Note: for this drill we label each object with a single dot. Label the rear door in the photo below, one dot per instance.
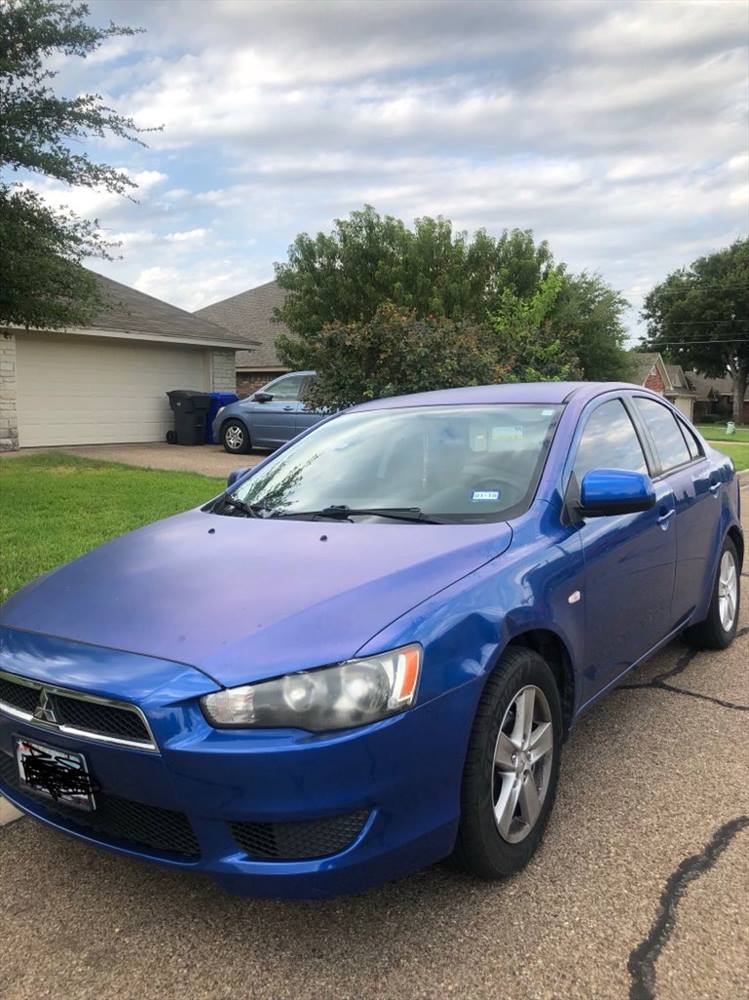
(629, 558)
(696, 487)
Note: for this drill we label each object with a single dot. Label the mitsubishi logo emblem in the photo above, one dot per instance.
(44, 712)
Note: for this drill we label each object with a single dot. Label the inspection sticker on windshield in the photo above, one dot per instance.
(490, 495)
(503, 432)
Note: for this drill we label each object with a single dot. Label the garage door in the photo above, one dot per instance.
(80, 390)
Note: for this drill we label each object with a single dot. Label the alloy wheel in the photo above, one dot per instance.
(728, 588)
(234, 437)
(522, 764)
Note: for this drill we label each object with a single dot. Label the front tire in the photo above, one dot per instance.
(235, 437)
(718, 630)
(512, 767)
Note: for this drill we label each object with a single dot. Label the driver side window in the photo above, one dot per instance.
(285, 388)
(609, 441)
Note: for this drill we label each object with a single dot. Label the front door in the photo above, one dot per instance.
(629, 558)
(274, 422)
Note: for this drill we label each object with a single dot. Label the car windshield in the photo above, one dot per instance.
(450, 463)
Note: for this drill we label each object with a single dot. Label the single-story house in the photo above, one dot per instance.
(107, 382)
(250, 315)
(651, 371)
(715, 397)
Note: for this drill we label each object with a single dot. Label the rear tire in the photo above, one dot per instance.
(235, 437)
(495, 837)
(718, 630)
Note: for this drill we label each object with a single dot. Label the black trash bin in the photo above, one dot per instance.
(190, 414)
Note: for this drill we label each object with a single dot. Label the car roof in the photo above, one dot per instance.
(511, 392)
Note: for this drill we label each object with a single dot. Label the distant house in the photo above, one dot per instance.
(715, 397)
(107, 382)
(249, 315)
(670, 381)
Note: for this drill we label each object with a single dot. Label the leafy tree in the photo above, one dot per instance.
(526, 336)
(431, 271)
(369, 259)
(591, 311)
(396, 352)
(699, 317)
(43, 281)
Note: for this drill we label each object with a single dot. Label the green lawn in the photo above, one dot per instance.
(717, 432)
(54, 507)
(738, 452)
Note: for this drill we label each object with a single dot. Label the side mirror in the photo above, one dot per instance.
(262, 397)
(234, 476)
(613, 491)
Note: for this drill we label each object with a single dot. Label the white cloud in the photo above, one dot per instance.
(94, 202)
(616, 130)
(190, 236)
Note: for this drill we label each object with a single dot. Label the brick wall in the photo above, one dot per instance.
(223, 378)
(8, 412)
(249, 382)
(654, 382)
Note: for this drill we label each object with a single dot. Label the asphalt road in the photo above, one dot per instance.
(641, 888)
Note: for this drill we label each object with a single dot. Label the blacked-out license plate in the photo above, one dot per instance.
(55, 774)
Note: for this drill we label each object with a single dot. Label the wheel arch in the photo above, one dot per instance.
(737, 538)
(553, 649)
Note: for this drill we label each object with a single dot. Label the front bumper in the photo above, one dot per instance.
(393, 787)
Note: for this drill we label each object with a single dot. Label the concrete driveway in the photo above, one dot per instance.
(640, 890)
(207, 459)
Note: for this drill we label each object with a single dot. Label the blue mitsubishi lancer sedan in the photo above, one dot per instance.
(366, 653)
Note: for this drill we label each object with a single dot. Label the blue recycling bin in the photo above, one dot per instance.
(218, 399)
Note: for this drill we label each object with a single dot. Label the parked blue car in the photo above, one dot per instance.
(365, 655)
(268, 418)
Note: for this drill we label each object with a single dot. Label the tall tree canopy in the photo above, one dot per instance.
(43, 282)
(699, 317)
(433, 273)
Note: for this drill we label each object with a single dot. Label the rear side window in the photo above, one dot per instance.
(666, 433)
(609, 441)
(695, 450)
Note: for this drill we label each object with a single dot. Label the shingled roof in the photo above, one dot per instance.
(704, 386)
(250, 315)
(130, 311)
(643, 365)
(680, 381)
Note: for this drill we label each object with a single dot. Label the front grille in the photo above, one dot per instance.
(93, 717)
(116, 819)
(20, 696)
(294, 841)
(65, 708)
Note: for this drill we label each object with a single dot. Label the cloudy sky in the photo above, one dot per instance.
(616, 131)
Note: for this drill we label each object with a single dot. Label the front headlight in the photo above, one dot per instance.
(349, 694)
(219, 411)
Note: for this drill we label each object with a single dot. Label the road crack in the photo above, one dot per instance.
(643, 958)
(659, 681)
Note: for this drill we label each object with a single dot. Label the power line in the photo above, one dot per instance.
(685, 343)
(705, 322)
(690, 286)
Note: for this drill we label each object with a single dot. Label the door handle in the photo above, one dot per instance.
(665, 519)
(714, 487)
(288, 409)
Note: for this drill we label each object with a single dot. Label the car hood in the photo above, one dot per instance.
(243, 599)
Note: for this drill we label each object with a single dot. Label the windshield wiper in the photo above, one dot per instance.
(342, 512)
(249, 510)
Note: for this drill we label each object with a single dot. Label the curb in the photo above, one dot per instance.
(8, 813)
